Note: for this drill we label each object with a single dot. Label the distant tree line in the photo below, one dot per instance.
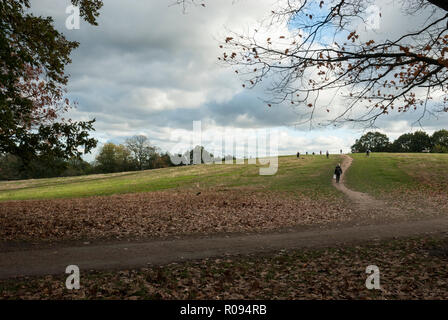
(418, 141)
(135, 154)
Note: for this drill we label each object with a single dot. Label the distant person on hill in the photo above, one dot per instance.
(328, 155)
(320, 152)
(341, 151)
(313, 153)
(307, 153)
(298, 154)
(368, 153)
(338, 172)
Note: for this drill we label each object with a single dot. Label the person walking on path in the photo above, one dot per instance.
(338, 172)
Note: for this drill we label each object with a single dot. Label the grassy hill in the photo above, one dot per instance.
(378, 174)
(235, 199)
(309, 175)
(383, 173)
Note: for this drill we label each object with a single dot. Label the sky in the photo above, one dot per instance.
(149, 68)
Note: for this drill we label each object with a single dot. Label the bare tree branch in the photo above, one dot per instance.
(377, 77)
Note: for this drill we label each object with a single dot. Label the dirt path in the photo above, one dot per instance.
(363, 201)
(134, 255)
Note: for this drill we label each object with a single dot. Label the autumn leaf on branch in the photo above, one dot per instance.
(373, 76)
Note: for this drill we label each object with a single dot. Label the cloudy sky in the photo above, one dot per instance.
(151, 69)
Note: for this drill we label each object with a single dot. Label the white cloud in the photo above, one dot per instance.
(149, 68)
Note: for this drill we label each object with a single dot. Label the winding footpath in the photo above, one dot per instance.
(363, 201)
(124, 255)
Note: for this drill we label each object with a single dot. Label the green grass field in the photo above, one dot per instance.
(383, 172)
(310, 175)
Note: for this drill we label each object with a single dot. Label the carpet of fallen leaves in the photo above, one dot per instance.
(413, 268)
(429, 193)
(423, 201)
(162, 214)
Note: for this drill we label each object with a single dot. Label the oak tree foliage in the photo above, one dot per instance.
(439, 141)
(373, 141)
(33, 56)
(418, 141)
(141, 150)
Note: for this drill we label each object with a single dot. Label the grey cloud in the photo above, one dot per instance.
(148, 47)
